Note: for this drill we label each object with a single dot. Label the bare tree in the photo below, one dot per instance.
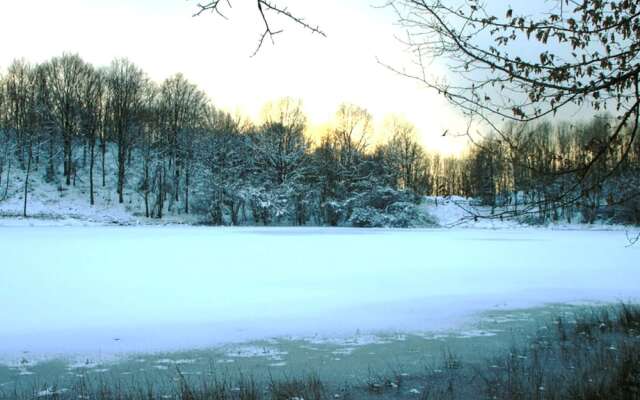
(280, 145)
(150, 144)
(93, 91)
(18, 103)
(20, 98)
(125, 84)
(64, 77)
(182, 108)
(404, 155)
(223, 160)
(352, 132)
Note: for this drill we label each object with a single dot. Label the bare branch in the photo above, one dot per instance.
(263, 7)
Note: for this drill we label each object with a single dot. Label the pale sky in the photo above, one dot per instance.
(163, 38)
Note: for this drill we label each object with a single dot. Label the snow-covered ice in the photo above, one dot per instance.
(108, 290)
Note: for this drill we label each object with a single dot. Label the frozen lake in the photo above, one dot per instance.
(107, 290)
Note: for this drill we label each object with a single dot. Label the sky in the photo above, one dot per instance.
(163, 38)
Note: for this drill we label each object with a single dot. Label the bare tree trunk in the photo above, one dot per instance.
(122, 159)
(121, 180)
(103, 150)
(51, 173)
(19, 150)
(176, 180)
(26, 184)
(6, 187)
(37, 153)
(186, 191)
(85, 146)
(161, 192)
(92, 157)
(67, 159)
(4, 158)
(146, 185)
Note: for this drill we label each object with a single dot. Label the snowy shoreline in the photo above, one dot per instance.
(107, 221)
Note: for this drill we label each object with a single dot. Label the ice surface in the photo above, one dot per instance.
(108, 290)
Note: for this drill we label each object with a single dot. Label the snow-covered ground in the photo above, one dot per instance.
(459, 212)
(56, 204)
(106, 290)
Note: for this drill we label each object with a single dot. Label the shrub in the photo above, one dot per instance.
(368, 217)
(407, 215)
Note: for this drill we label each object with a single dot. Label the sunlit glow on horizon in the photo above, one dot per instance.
(163, 38)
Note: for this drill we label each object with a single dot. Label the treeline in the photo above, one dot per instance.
(559, 172)
(165, 144)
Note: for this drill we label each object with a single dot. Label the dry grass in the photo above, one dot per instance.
(591, 356)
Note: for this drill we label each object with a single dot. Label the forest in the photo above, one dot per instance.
(67, 122)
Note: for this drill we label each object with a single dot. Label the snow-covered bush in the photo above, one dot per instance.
(407, 215)
(397, 215)
(368, 217)
(383, 206)
(270, 205)
(381, 197)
